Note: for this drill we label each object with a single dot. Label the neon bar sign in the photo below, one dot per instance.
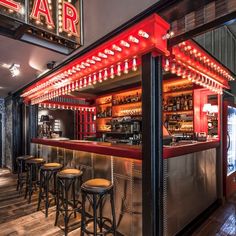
(61, 18)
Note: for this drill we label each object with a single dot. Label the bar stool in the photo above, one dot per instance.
(21, 177)
(32, 181)
(66, 206)
(95, 190)
(48, 173)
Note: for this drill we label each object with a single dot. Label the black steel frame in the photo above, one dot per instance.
(152, 164)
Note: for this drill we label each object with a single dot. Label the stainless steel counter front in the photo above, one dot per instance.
(125, 173)
(189, 184)
(191, 187)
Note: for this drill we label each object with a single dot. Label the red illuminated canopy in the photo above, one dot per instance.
(118, 55)
(189, 60)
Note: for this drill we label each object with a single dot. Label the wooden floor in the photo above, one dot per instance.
(222, 222)
(18, 218)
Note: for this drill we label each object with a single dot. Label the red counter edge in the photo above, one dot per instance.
(126, 152)
(170, 152)
(93, 147)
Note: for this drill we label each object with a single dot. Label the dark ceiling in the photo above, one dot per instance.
(32, 60)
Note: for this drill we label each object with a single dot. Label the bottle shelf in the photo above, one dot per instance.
(104, 104)
(180, 121)
(119, 116)
(103, 131)
(117, 132)
(109, 117)
(126, 104)
(179, 92)
(130, 106)
(178, 112)
(181, 131)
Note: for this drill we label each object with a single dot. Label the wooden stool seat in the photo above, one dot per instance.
(69, 173)
(97, 185)
(24, 158)
(52, 166)
(35, 161)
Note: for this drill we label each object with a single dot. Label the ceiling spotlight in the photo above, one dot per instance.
(15, 70)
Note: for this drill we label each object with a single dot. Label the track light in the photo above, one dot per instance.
(14, 69)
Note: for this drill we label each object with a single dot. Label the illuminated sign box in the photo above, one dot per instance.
(55, 24)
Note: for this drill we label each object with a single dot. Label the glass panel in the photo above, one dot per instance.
(231, 140)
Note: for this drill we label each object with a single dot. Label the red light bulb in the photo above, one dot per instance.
(94, 78)
(126, 67)
(105, 74)
(118, 70)
(100, 77)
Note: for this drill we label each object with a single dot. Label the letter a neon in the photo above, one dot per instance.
(41, 8)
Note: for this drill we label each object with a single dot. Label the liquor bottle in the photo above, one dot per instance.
(169, 104)
(114, 101)
(164, 105)
(185, 103)
(120, 101)
(178, 104)
(128, 99)
(166, 123)
(137, 97)
(182, 102)
(190, 102)
(133, 98)
(174, 104)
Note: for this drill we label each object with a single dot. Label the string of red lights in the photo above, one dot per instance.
(189, 61)
(119, 55)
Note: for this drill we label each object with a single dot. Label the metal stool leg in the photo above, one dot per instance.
(40, 190)
(27, 183)
(30, 192)
(46, 187)
(18, 176)
(55, 186)
(100, 213)
(83, 217)
(58, 202)
(66, 206)
(73, 195)
(21, 182)
(113, 212)
(95, 214)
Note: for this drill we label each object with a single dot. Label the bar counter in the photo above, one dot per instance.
(127, 151)
(190, 176)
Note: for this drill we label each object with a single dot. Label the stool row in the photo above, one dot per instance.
(58, 186)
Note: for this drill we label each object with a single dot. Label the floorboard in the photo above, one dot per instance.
(18, 218)
(222, 222)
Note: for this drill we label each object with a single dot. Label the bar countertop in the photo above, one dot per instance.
(128, 151)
